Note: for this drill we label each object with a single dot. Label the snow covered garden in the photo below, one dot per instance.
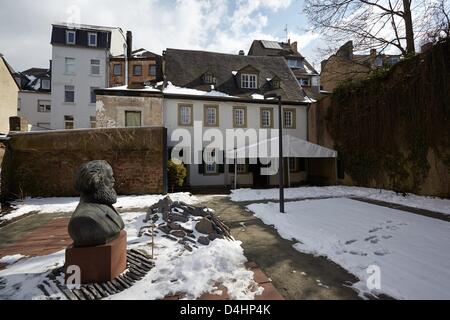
(410, 250)
(177, 270)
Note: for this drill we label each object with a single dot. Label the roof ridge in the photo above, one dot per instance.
(228, 54)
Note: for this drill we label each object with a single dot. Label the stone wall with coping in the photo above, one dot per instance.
(44, 164)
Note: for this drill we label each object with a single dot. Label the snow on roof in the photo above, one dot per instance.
(234, 73)
(172, 89)
(257, 96)
(146, 88)
(309, 100)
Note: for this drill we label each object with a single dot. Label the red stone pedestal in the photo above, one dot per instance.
(102, 263)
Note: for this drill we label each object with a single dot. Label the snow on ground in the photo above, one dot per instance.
(11, 259)
(68, 205)
(411, 250)
(410, 200)
(176, 269)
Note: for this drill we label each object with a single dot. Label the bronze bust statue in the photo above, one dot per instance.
(95, 221)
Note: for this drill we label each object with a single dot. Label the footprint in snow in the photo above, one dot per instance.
(358, 253)
(351, 241)
(381, 252)
(375, 230)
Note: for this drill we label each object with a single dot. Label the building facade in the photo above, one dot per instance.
(346, 66)
(34, 103)
(143, 67)
(8, 95)
(213, 93)
(80, 64)
(307, 77)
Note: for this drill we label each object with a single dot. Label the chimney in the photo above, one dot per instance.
(373, 52)
(241, 53)
(129, 43)
(294, 47)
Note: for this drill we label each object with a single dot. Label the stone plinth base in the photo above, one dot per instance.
(99, 264)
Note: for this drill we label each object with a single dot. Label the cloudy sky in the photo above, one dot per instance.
(214, 25)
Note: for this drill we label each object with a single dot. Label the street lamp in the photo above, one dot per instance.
(125, 54)
(280, 139)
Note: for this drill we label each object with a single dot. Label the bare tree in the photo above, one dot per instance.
(437, 26)
(371, 24)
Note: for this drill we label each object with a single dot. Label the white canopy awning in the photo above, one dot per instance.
(292, 148)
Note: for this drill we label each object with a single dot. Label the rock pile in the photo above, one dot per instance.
(185, 224)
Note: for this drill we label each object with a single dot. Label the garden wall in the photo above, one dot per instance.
(392, 130)
(44, 164)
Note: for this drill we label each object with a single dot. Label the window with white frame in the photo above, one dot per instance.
(211, 116)
(92, 39)
(45, 84)
(249, 81)
(70, 66)
(69, 94)
(69, 122)
(266, 118)
(295, 63)
(185, 114)
(289, 119)
(44, 106)
(210, 162)
(239, 115)
(95, 67)
(71, 37)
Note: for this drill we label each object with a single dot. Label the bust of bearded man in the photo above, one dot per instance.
(95, 221)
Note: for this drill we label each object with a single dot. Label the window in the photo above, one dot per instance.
(249, 81)
(95, 67)
(211, 116)
(266, 118)
(93, 99)
(19, 104)
(70, 66)
(152, 71)
(239, 117)
(45, 84)
(378, 62)
(93, 122)
(289, 118)
(394, 60)
(68, 122)
(304, 81)
(69, 94)
(92, 39)
(71, 37)
(241, 168)
(137, 70)
(294, 63)
(44, 106)
(209, 78)
(185, 115)
(210, 162)
(117, 69)
(275, 83)
(133, 118)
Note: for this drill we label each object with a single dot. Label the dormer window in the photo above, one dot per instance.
(71, 37)
(92, 39)
(295, 63)
(209, 78)
(275, 83)
(249, 81)
(45, 84)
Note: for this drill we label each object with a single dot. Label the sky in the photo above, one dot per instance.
(214, 25)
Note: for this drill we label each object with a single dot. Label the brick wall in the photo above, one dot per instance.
(44, 164)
